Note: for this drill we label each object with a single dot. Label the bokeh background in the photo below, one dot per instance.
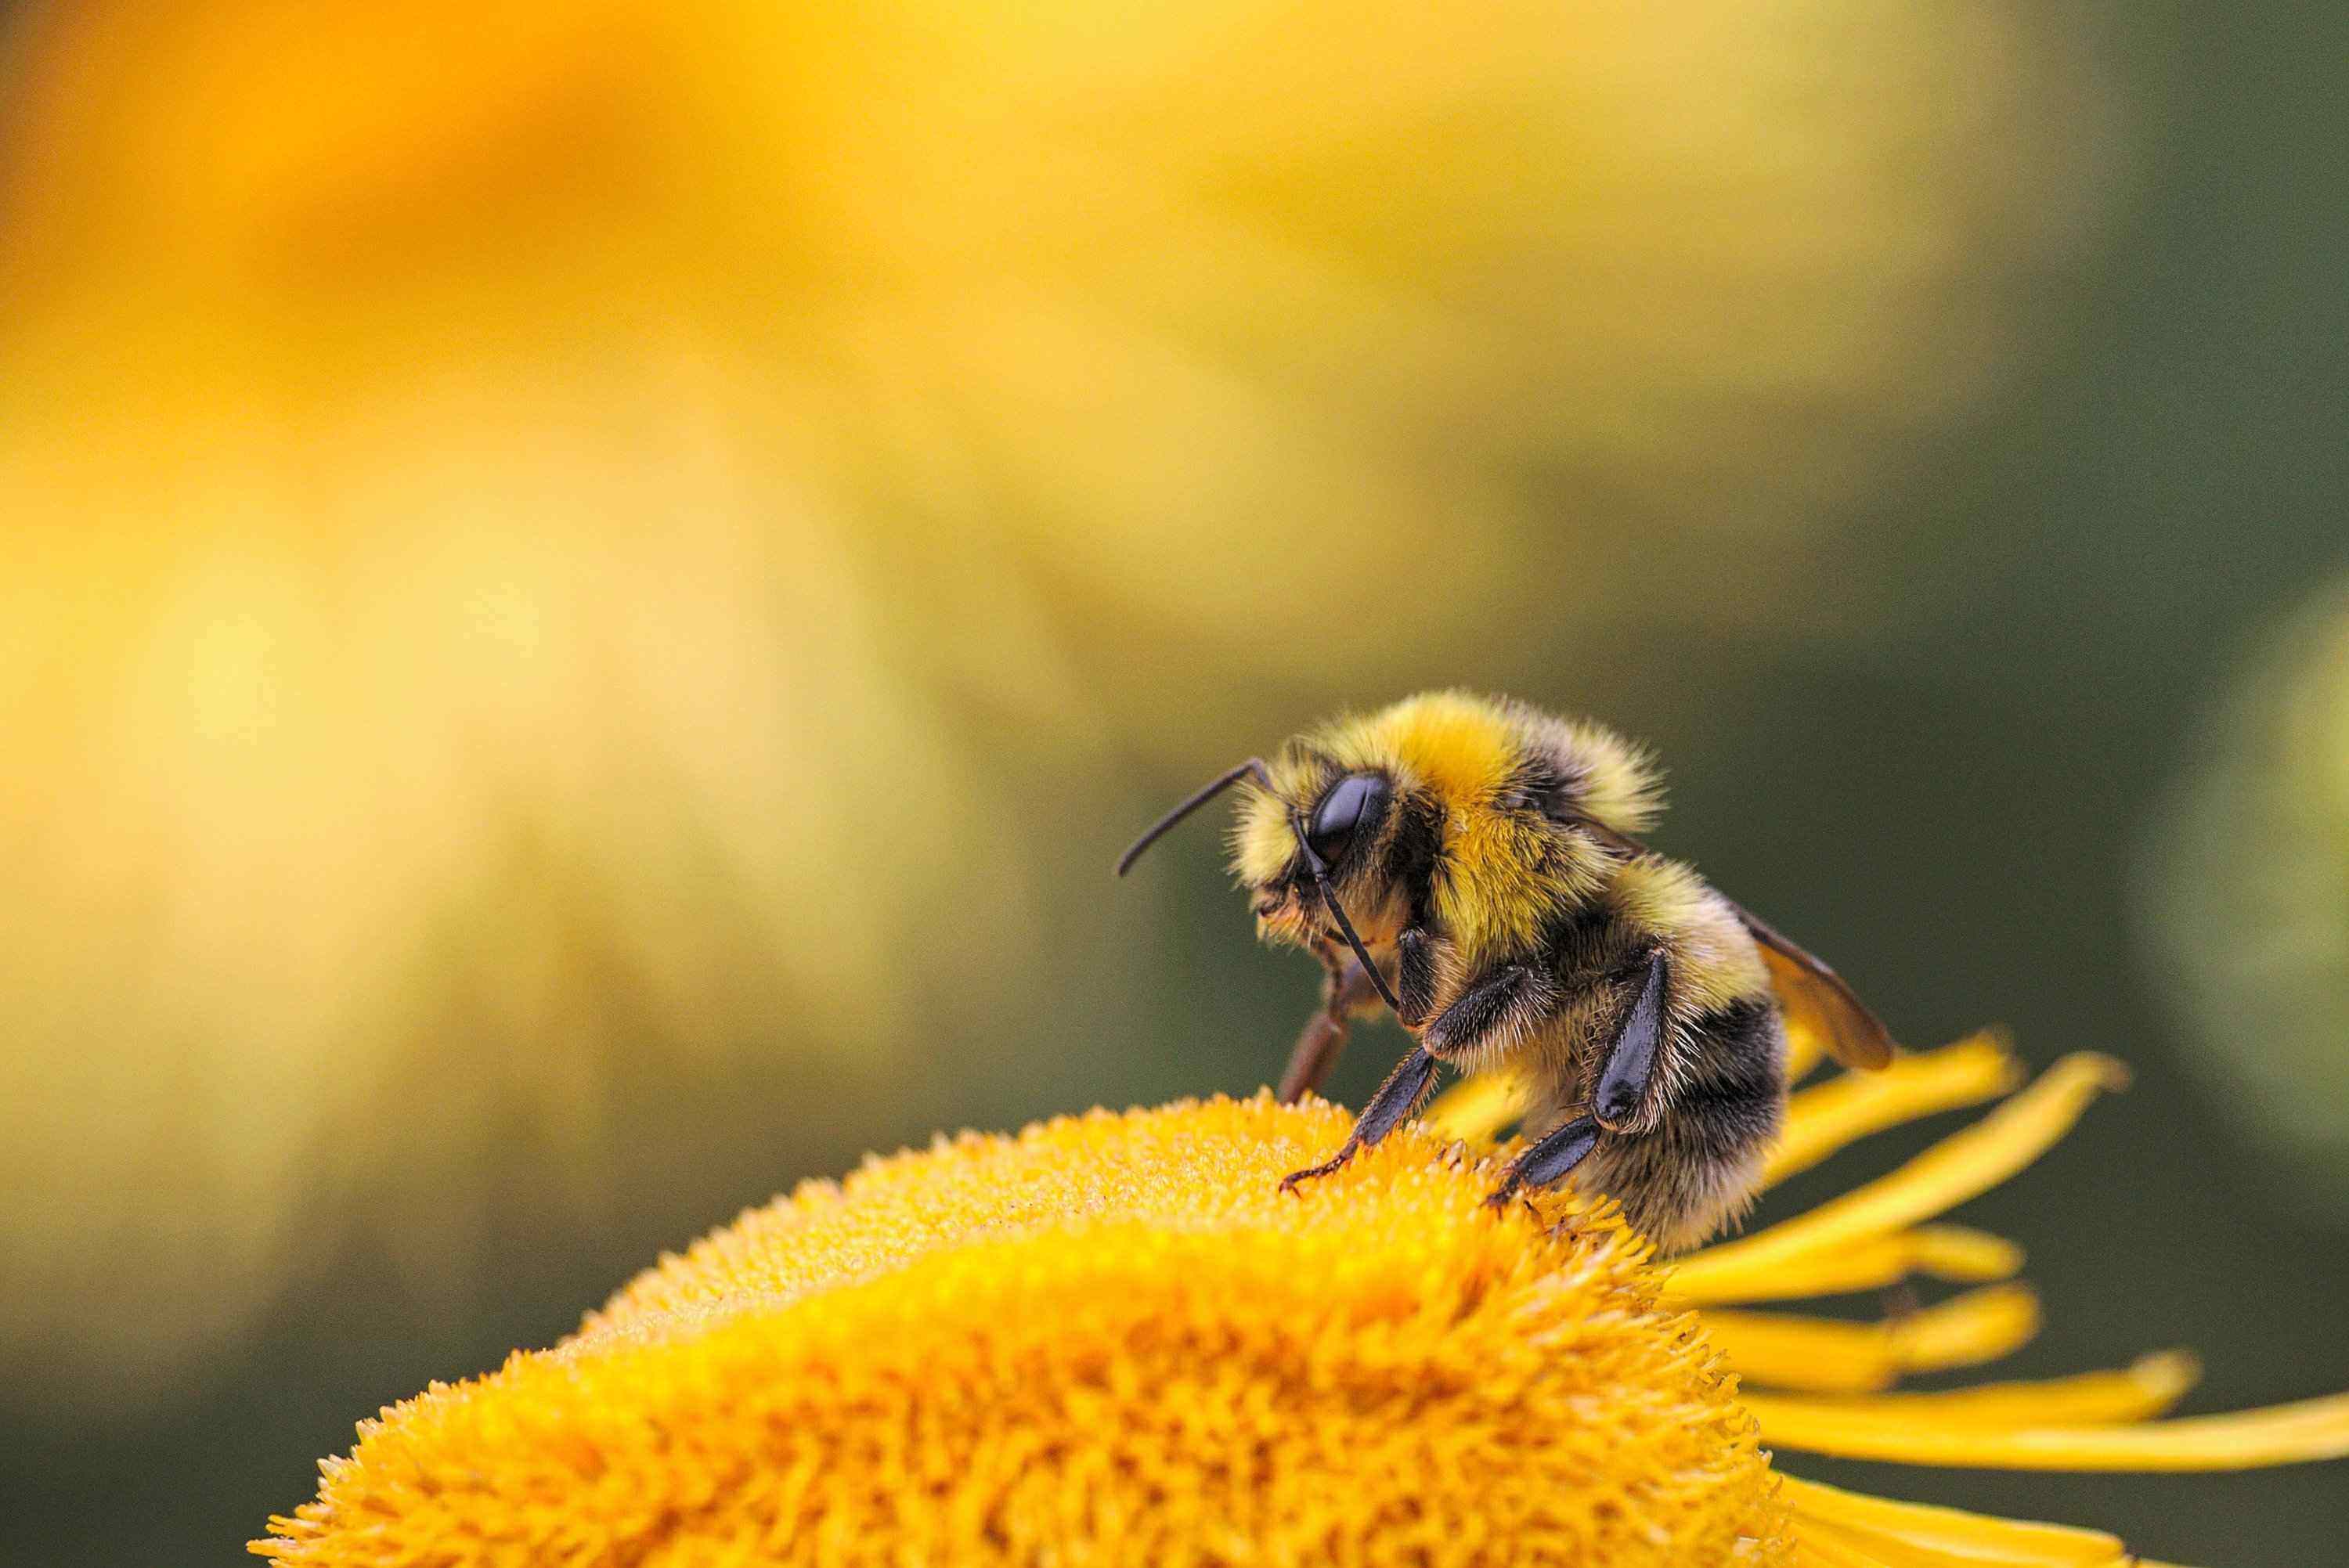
(588, 591)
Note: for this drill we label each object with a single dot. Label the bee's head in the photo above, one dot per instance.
(1317, 827)
(1315, 848)
(1475, 820)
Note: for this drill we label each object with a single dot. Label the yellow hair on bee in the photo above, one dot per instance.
(1462, 748)
(1496, 894)
(1261, 840)
(1717, 964)
(1615, 779)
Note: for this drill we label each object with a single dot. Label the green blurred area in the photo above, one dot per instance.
(1948, 792)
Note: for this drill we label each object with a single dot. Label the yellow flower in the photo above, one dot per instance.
(1112, 1339)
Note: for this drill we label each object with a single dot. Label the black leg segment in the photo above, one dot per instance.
(1414, 977)
(1548, 1162)
(1631, 1061)
(1395, 1100)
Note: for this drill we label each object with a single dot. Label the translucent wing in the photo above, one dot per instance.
(1816, 1002)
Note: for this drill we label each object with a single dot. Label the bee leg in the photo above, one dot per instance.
(1622, 1090)
(1396, 1099)
(1553, 1155)
(1315, 1053)
(1346, 993)
(1502, 1003)
(1414, 975)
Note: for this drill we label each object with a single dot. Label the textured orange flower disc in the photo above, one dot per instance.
(1108, 1339)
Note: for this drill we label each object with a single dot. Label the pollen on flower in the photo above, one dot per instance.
(1108, 1339)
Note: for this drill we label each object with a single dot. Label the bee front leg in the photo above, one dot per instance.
(1396, 1099)
(1416, 974)
(1346, 993)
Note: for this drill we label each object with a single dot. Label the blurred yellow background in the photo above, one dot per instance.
(586, 590)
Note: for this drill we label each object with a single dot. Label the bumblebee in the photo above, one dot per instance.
(1475, 866)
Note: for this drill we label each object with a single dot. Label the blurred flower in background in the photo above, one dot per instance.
(545, 539)
(2247, 897)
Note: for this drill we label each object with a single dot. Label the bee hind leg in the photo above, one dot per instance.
(1547, 1162)
(1622, 1089)
(1630, 1066)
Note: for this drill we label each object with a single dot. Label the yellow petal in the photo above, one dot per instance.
(1820, 1549)
(2147, 1389)
(1788, 1351)
(1904, 1533)
(1943, 1252)
(2246, 1440)
(1844, 1109)
(1475, 1109)
(1954, 1170)
(1869, 1548)
(1805, 1051)
(1819, 1120)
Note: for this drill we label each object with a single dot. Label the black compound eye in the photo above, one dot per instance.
(1356, 798)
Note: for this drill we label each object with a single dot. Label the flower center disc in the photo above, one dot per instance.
(1108, 1339)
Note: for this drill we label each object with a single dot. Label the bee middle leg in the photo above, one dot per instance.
(1502, 1003)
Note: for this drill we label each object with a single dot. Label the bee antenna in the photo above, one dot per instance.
(1345, 926)
(1254, 767)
